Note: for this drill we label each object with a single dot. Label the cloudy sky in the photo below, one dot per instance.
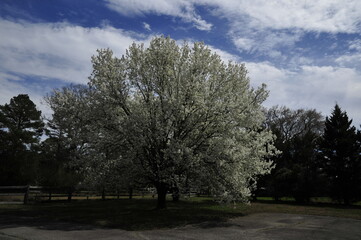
(308, 52)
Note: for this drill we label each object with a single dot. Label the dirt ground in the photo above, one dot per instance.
(255, 227)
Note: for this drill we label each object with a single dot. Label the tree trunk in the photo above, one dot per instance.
(175, 194)
(26, 195)
(162, 193)
(254, 197)
(130, 192)
(70, 194)
(103, 194)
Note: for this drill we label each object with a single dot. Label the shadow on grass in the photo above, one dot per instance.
(136, 214)
(140, 214)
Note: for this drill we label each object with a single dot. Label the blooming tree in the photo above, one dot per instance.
(176, 116)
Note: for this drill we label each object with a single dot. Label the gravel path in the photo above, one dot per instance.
(255, 227)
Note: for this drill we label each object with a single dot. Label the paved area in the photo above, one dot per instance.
(255, 227)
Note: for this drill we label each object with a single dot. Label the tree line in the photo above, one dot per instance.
(319, 156)
(174, 118)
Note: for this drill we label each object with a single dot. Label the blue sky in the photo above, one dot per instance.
(307, 52)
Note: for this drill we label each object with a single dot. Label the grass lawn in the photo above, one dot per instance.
(139, 214)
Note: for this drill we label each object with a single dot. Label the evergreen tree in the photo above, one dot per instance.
(340, 157)
(20, 130)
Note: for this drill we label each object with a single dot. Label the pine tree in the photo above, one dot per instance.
(340, 157)
(20, 130)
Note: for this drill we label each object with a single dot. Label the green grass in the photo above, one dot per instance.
(139, 214)
(321, 209)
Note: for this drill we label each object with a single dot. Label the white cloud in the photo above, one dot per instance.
(339, 83)
(177, 8)
(267, 27)
(200, 23)
(225, 56)
(276, 80)
(12, 77)
(60, 50)
(310, 87)
(273, 27)
(137, 7)
(259, 26)
(320, 16)
(146, 26)
(352, 58)
(47, 51)
(246, 44)
(264, 41)
(355, 45)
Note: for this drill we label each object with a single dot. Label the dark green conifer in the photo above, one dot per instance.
(340, 157)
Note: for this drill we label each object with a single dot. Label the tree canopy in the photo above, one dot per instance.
(295, 173)
(174, 116)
